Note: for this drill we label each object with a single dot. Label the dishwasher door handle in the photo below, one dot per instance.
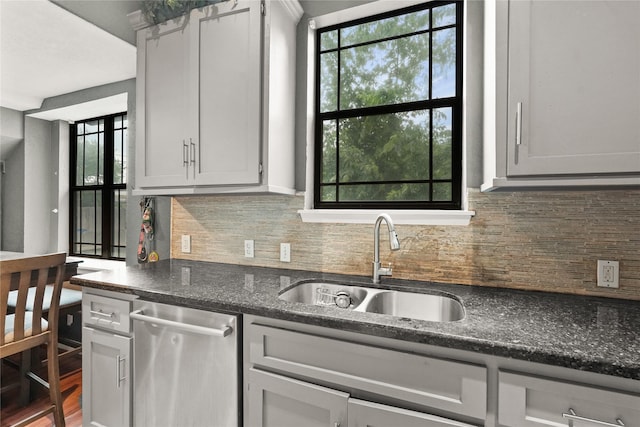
(196, 329)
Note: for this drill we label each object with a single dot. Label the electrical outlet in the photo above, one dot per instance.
(608, 274)
(248, 249)
(186, 244)
(285, 252)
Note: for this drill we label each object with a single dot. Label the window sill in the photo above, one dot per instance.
(411, 217)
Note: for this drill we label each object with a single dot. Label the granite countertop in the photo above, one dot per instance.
(593, 334)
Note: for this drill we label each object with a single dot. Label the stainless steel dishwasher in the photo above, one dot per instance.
(185, 367)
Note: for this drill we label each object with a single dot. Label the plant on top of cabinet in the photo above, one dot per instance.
(215, 98)
(157, 11)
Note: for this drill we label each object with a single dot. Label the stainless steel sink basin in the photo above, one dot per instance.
(436, 307)
(321, 293)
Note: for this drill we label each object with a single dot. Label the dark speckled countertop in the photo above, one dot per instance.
(587, 333)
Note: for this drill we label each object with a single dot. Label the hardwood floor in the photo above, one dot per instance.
(71, 385)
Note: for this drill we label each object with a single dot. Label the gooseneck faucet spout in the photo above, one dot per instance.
(393, 243)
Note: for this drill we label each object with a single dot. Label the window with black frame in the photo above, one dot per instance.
(98, 187)
(388, 126)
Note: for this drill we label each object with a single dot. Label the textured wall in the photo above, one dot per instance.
(530, 240)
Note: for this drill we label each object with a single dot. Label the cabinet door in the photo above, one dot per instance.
(163, 139)
(369, 414)
(226, 52)
(106, 379)
(277, 401)
(574, 87)
(526, 401)
(447, 385)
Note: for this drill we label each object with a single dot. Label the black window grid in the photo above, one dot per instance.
(430, 104)
(108, 243)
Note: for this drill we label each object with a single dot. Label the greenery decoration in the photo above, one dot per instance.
(157, 11)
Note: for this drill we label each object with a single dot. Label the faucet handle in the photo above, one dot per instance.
(385, 271)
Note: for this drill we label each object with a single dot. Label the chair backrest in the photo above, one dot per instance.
(21, 274)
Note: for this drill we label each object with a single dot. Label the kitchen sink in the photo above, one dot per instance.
(435, 307)
(322, 293)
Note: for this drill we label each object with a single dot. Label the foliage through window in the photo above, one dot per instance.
(98, 187)
(388, 126)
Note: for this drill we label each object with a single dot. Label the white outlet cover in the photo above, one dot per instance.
(285, 252)
(608, 274)
(249, 248)
(186, 244)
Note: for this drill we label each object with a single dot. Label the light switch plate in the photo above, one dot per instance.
(186, 244)
(248, 249)
(285, 252)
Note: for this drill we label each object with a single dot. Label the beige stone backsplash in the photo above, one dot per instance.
(527, 240)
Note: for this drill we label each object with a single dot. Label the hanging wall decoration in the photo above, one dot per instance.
(146, 243)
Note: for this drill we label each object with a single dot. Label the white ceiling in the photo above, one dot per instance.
(46, 51)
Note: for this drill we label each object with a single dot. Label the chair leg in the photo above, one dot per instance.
(54, 384)
(25, 382)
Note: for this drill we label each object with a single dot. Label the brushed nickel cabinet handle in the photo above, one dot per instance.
(119, 377)
(185, 153)
(100, 313)
(519, 123)
(572, 416)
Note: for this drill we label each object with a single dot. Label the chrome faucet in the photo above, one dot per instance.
(393, 242)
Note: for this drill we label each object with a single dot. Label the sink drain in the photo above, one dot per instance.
(343, 300)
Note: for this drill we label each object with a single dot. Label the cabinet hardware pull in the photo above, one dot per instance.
(101, 313)
(519, 123)
(193, 156)
(202, 330)
(572, 416)
(119, 378)
(185, 153)
(185, 158)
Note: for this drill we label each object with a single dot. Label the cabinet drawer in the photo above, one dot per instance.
(451, 386)
(526, 401)
(106, 313)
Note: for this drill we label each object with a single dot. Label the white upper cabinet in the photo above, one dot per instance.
(562, 87)
(162, 132)
(213, 111)
(227, 93)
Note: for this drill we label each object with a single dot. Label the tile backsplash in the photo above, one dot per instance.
(547, 241)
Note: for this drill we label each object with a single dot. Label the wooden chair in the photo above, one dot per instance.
(70, 304)
(24, 330)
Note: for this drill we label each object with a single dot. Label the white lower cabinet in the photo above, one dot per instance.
(362, 413)
(297, 374)
(296, 378)
(106, 382)
(280, 401)
(107, 347)
(529, 401)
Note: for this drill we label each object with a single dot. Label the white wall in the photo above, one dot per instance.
(12, 205)
(38, 185)
(59, 221)
(12, 180)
